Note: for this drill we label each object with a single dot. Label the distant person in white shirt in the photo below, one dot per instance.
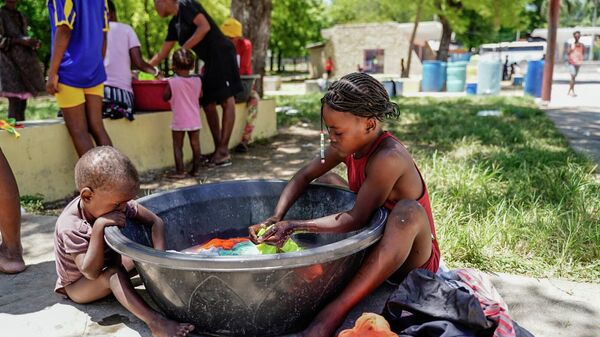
(575, 59)
(122, 50)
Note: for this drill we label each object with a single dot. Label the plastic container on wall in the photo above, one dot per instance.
(456, 76)
(433, 76)
(489, 74)
(534, 78)
(148, 95)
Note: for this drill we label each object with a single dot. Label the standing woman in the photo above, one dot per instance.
(20, 70)
(194, 29)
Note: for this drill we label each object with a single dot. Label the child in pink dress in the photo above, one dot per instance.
(183, 92)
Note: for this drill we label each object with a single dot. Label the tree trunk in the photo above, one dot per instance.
(146, 33)
(406, 71)
(442, 54)
(279, 62)
(255, 16)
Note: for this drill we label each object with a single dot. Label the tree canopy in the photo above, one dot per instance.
(295, 24)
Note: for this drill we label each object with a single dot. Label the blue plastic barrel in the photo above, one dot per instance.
(389, 87)
(489, 74)
(471, 88)
(517, 80)
(456, 76)
(534, 77)
(460, 57)
(398, 87)
(433, 76)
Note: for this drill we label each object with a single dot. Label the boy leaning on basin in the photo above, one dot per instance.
(88, 270)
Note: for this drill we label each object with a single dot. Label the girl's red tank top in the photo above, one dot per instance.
(357, 176)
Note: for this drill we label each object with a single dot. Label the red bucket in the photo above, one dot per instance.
(148, 95)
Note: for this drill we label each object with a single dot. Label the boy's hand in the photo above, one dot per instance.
(52, 84)
(114, 218)
(254, 229)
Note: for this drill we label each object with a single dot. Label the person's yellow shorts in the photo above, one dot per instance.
(68, 96)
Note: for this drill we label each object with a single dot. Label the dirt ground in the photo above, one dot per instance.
(278, 157)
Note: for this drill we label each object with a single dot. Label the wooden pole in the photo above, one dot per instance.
(553, 15)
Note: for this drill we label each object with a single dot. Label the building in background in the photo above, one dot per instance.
(377, 48)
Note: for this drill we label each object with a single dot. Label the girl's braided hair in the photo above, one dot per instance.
(361, 95)
(183, 59)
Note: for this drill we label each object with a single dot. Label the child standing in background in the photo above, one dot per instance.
(184, 92)
(76, 73)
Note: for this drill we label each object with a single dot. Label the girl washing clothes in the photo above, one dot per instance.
(382, 173)
(183, 92)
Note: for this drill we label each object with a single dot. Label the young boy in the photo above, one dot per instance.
(382, 173)
(87, 271)
(76, 73)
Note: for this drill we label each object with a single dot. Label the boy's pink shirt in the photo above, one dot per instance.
(71, 237)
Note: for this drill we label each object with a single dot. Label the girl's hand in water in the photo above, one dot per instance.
(254, 229)
(276, 234)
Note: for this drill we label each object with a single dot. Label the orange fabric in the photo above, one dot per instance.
(369, 325)
(226, 244)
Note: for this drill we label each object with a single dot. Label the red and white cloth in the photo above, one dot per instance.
(491, 302)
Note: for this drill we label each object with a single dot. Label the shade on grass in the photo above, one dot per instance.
(508, 194)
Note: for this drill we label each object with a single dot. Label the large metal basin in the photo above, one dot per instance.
(266, 295)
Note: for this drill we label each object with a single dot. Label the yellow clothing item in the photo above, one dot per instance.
(68, 96)
(231, 28)
(369, 325)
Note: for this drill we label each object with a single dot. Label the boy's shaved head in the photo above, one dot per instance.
(105, 167)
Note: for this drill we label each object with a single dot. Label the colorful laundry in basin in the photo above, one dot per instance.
(238, 247)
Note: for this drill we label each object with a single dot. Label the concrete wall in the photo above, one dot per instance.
(43, 158)
(316, 68)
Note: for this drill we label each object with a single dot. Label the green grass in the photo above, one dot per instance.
(33, 203)
(37, 108)
(508, 194)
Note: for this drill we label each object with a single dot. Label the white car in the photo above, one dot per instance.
(519, 52)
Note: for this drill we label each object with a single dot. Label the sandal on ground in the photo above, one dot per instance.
(177, 176)
(224, 163)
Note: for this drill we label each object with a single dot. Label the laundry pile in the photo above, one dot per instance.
(239, 247)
